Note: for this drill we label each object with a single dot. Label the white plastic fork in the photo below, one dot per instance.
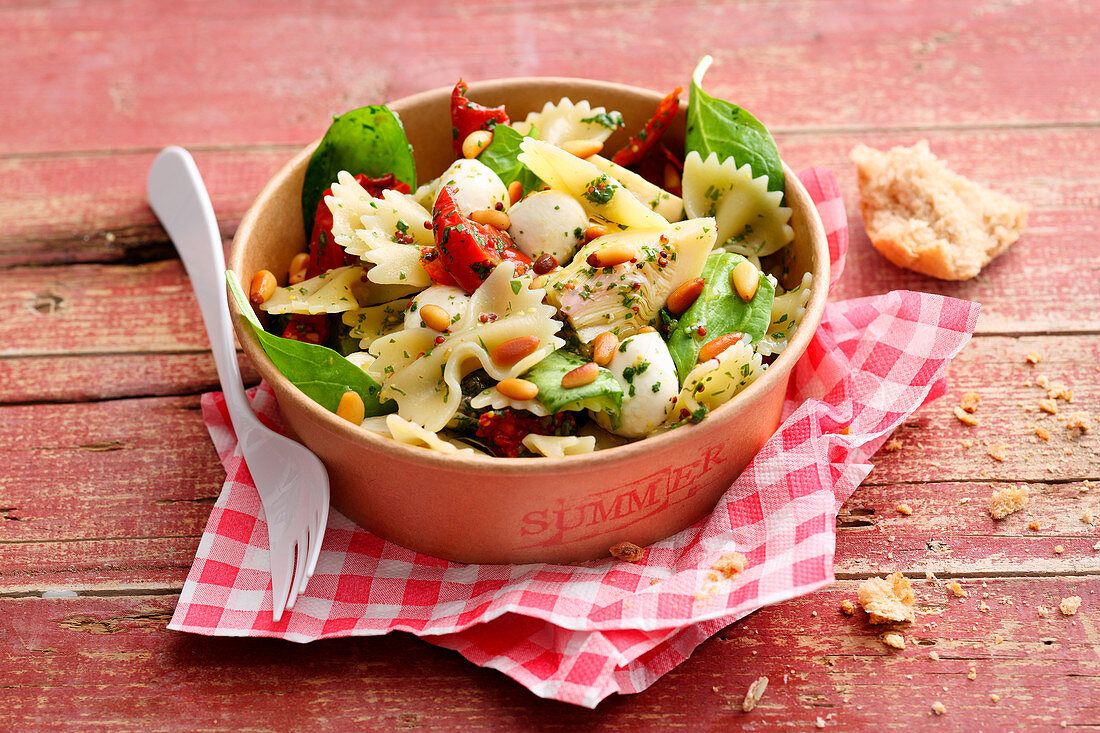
(291, 480)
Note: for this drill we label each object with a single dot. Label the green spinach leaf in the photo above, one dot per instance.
(321, 373)
(502, 156)
(602, 395)
(717, 126)
(368, 140)
(719, 310)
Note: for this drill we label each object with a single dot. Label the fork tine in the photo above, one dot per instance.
(280, 583)
(317, 537)
(300, 549)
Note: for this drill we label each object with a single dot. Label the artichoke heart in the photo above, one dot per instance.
(626, 297)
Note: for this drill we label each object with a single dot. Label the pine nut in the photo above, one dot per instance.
(614, 254)
(435, 318)
(603, 348)
(262, 288)
(582, 375)
(713, 348)
(582, 148)
(594, 232)
(683, 296)
(511, 351)
(647, 329)
(351, 407)
(518, 389)
(475, 142)
(537, 282)
(491, 217)
(515, 192)
(745, 279)
(673, 182)
(296, 273)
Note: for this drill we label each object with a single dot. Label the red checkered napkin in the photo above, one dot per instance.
(581, 633)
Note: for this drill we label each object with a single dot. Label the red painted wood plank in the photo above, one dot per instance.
(110, 660)
(92, 208)
(99, 377)
(144, 74)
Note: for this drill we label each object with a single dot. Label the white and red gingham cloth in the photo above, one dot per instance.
(580, 633)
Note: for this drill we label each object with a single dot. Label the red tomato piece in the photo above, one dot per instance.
(640, 144)
(467, 116)
(504, 430)
(311, 329)
(468, 250)
(324, 253)
(429, 258)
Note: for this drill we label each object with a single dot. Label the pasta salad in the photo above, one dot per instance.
(542, 296)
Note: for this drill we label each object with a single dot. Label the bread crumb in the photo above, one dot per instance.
(847, 607)
(893, 445)
(1059, 391)
(1042, 432)
(897, 641)
(1048, 406)
(964, 500)
(970, 401)
(972, 674)
(1069, 605)
(1080, 421)
(1033, 357)
(1008, 500)
(820, 722)
(756, 691)
(939, 708)
(998, 452)
(966, 443)
(934, 655)
(965, 417)
(994, 697)
(956, 589)
(998, 639)
(1042, 611)
(1033, 525)
(626, 551)
(1086, 517)
(887, 599)
(1058, 549)
(905, 509)
(921, 215)
(727, 566)
(1096, 546)
(983, 607)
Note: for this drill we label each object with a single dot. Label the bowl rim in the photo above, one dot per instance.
(777, 371)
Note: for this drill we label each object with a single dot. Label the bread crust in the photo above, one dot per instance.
(925, 217)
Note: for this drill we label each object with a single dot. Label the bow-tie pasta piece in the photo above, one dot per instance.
(751, 219)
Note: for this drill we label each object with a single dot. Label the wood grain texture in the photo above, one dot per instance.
(143, 74)
(107, 474)
(110, 659)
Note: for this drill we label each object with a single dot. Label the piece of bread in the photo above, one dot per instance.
(923, 216)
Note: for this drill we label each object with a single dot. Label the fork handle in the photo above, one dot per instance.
(180, 200)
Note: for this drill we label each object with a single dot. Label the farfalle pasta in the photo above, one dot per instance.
(541, 296)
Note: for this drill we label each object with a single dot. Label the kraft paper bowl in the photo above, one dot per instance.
(481, 509)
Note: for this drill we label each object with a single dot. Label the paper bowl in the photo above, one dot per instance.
(481, 509)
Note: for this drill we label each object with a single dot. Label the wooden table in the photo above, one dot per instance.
(108, 474)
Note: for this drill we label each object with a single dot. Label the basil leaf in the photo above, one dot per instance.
(502, 156)
(321, 373)
(601, 395)
(368, 140)
(717, 126)
(719, 310)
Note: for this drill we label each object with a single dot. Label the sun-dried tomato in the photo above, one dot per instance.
(640, 144)
(467, 116)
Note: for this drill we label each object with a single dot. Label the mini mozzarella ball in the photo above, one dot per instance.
(448, 297)
(478, 186)
(643, 368)
(548, 222)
